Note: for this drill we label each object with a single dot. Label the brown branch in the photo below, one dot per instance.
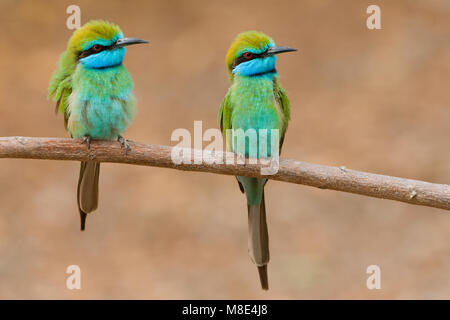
(325, 177)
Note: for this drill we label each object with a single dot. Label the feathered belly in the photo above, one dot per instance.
(100, 118)
(260, 127)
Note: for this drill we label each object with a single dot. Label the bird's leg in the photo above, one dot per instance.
(124, 143)
(87, 140)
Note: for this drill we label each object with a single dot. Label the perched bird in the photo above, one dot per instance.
(255, 101)
(93, 90)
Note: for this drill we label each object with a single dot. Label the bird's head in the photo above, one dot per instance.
(253, 53)
(99, 44)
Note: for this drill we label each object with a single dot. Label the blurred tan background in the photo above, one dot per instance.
(377, 101)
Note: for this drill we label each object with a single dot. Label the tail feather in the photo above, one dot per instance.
(258, 240)
(263, 277)
(83, 216)
(87, 191)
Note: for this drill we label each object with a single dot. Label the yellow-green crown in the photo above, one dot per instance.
(94, 30)
(252, 41)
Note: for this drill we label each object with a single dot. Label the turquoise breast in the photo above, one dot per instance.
(254, 107)
(101, 104)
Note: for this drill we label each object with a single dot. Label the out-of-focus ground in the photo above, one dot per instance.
(377, 101)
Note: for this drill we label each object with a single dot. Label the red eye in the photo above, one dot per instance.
(97, 47)
(248, 55)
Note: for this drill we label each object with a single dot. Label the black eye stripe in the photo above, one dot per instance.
(88, 52)
(241, 58)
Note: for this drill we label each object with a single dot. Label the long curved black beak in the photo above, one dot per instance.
(128, 41)
(279, 49)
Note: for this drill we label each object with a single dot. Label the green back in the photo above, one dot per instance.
(60, 86)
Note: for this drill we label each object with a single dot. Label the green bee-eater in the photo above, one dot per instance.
(255, 101)
(93, 90)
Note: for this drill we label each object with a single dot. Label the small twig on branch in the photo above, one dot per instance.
(324, 177)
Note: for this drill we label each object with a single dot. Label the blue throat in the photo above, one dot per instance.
(257, 67)
(270, 73)
(104, 59)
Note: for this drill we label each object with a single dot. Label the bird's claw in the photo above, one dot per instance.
(124, 144)
(87, 140)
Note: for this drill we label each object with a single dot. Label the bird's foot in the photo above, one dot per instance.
(124, 144)
(87, 140)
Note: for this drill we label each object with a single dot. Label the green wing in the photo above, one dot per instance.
(224, 120)
(283, 101)
(224, 117)
(60, 86)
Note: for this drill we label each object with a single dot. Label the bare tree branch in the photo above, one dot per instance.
(325, 177)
